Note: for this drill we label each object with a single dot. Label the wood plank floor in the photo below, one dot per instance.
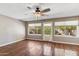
(38, 48)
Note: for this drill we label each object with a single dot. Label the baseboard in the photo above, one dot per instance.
(69, 43)
(11, 42)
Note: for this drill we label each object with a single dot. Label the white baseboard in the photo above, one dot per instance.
(11, 42)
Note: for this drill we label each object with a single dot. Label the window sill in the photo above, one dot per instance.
(65, 36)
(35, 34)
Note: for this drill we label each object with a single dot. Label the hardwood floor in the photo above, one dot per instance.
(38, 48)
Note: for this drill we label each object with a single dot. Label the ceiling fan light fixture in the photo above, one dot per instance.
(37, 10)
(37, 13)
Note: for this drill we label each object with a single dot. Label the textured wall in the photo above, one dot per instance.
(11, 30)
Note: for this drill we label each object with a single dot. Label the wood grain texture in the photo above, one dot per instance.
(39, 48)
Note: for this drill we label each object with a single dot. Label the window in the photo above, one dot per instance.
(47, 31)
(47, 28)
(34, 28)
(66, 28)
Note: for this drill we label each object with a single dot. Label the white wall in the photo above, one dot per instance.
(11, 30)
(66, 39)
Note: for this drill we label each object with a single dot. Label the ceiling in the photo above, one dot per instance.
(21, 12)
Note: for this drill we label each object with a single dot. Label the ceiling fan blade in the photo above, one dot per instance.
(33, 7)
(44, 15)
(29, 7)
(46, 10)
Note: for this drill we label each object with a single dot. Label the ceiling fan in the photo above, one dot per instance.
(38, 11)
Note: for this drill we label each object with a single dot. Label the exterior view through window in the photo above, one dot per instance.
(34, 28)
(47, 29)
(61, 28)
(66, 28)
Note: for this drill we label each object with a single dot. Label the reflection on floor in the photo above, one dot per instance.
(37, 48)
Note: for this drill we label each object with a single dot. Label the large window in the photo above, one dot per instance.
(47, 28)
(66, 28)
(47, 31)
(34, 28)
(61, 28)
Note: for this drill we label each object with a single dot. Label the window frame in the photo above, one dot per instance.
(65, 25)
(34, 34)
(50, 28)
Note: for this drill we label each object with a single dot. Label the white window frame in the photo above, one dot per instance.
(46, 23)
(34, 34)
(65, 25)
